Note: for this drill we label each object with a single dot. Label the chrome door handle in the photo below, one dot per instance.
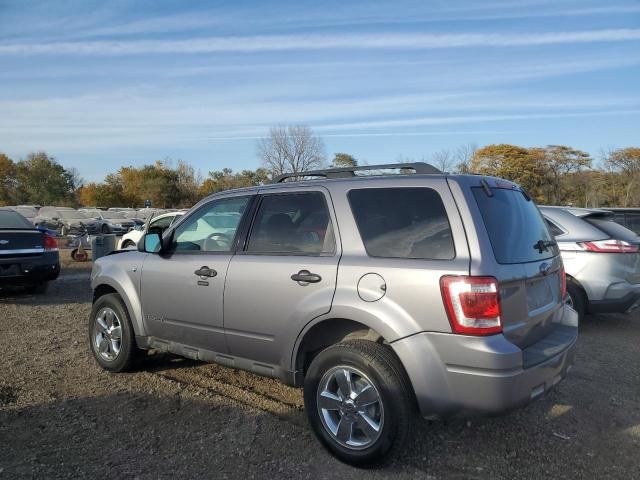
(306, 276)
(206, 272)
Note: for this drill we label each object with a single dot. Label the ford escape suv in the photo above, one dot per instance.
(383, 296)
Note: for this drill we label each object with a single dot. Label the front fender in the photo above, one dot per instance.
(122, 274)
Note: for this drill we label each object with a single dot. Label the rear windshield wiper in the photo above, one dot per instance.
(543, 245)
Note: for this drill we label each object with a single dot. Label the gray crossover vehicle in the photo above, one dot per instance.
(383, 296)
(601, 258)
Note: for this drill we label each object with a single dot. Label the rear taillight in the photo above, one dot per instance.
(563, 283)
(610, 246)
(50, 243)
(472, 304)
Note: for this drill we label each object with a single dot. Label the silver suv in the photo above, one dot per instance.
(601, 258)
(383, 296)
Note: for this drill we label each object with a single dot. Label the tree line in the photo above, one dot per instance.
(553, 174)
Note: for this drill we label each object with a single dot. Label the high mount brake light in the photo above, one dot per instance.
(472, 304)
(610, 246)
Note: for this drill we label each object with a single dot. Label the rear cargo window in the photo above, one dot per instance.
(402, 223)
(10, 219)
(611, 228)
(515, 226)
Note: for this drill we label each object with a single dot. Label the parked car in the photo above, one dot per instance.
(28, 256)
(110, 221)
(601, 259)
(28, 212)
(161, 222)
(66, 221)
(380, 295)
(627, 217)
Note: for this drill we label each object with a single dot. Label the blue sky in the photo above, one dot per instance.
(103, 84)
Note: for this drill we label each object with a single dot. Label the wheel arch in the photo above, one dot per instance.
(106, 286)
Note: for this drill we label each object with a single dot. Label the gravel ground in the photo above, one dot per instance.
(62, 416)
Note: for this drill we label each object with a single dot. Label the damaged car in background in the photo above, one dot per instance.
(66, 221)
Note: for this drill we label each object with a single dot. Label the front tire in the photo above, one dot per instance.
(111, 335)
(128, 244)
(359, 402)
(105, 229)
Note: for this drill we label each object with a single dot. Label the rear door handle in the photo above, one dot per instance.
(206, 272)
(306, 276)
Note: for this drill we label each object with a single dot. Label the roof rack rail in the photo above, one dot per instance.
(348, 172)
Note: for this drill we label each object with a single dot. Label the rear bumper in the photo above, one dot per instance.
(624, 304)
(463, 375)
(29, 270)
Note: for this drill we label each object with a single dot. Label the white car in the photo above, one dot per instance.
(164, 221)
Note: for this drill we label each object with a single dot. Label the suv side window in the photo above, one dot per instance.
(212, 228)
(292, 224)
(402, 222)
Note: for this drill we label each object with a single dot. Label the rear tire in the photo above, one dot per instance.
(105, 229)
(366, 432)
(111, 335)
(576, 298)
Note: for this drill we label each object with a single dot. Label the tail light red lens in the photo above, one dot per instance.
(563, 283)
(472, 304)
(50, 243)
(610, 246)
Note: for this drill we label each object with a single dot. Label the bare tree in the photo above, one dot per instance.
(464, 154)
(292, 149)
(443, 160)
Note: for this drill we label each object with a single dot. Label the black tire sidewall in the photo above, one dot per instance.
(577, 298)
(391, 391)
(127, 346)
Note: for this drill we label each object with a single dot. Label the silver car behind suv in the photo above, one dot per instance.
(601, 258)
(383, 296)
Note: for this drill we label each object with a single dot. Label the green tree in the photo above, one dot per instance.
(42, 180)
(344, 160)
(559, 161)
(518, 164)
(225, 179)
(626, 161)
(7, 180)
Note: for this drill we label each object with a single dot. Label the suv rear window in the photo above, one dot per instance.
(611, 228)
(515, 226)
(402, 223)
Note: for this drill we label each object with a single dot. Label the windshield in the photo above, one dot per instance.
(517, 232)
(72, 214)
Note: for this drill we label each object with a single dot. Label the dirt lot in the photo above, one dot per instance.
(61, 416)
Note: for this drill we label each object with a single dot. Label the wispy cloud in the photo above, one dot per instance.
(414, 41)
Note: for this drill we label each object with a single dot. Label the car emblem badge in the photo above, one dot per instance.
(544, 268)
(4, 242)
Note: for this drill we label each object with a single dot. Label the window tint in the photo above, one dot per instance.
(292, 224)
(632, 222)
(553, 228)
(403, 223)
(514, 225)
(202, 233)
(11, 219)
